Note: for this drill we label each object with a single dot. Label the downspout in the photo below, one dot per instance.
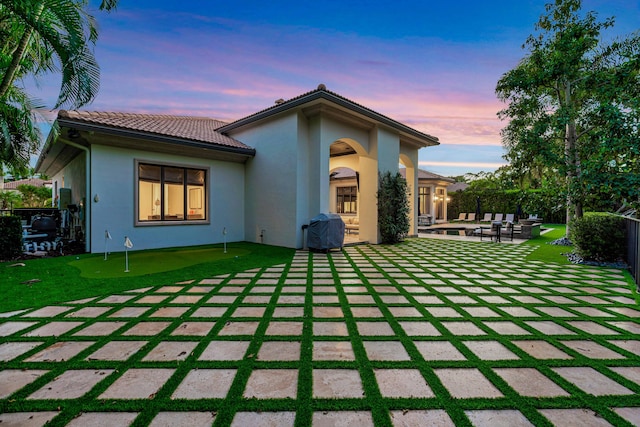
(87, 215)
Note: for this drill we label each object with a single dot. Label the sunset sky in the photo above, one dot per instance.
(430, 64)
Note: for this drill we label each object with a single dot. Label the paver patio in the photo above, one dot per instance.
(430, 332)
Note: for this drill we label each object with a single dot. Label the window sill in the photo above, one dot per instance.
(172, 222)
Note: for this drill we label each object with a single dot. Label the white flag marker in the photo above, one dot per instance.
(224, 233)
(107, 237)
(128, 245)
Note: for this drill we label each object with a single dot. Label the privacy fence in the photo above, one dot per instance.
(633, 247)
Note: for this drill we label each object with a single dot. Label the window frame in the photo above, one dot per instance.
(340, 203)
(184, 221)
(424, 199)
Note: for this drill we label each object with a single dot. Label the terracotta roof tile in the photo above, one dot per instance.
(36, 182)
(343, 173)
(200, 129)
(320, 91)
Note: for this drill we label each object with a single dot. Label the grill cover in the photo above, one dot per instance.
(326, 231)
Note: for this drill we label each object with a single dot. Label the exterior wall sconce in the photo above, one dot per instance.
(96, 198)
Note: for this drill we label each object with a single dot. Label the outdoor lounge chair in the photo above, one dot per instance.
(487, 217)
(494, 232)
(510, 218)
(498, 217)
(471, 217)
(461, 217)
(509, 230)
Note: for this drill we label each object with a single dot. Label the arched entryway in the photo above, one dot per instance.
(346, 194)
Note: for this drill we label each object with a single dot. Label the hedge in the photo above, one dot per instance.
(599, 237)
(10, 237)
(548, 205)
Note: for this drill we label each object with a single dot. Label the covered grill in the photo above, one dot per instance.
(44, 225)
(326, 231)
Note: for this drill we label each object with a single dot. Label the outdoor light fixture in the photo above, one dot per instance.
(96, 198)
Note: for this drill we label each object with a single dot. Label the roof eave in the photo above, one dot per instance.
(427, 140)
(129, 133)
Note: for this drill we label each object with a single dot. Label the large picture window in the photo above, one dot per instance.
(171, 193)
(347, 202)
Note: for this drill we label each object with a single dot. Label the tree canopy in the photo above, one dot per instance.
(573, 105)
(39, 37)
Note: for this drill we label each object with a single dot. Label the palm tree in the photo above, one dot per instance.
(39, 37)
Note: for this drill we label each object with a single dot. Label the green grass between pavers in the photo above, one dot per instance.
(56, 280)
(417, 268)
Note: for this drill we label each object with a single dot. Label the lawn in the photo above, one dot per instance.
(40, 282)
(52, 280)
(547, 252)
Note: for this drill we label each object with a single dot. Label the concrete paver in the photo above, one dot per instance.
(465, 383)
(205, 384)
(12, 380)
(72, 384)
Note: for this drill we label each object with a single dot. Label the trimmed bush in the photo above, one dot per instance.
(549, 205)
(599, 237)
(10, 237)
(393, 207)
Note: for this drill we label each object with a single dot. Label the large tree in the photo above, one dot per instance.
(573, 105)
(39, 37)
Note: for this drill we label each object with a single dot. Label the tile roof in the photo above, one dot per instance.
(199, 129)
(423, 174)
(344, 173)
(323, 92)
(36, 182)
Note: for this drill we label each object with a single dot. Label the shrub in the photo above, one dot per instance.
(10, 237)
(599, 237)
(393, 207)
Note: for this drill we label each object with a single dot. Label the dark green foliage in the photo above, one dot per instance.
(10, 237)
(573, 107)
(546, 203)
(393, 207)
(599, 237)
(35, 197)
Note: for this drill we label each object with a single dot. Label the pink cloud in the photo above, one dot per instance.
(463, 164)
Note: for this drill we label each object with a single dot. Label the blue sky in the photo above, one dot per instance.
(432, 65)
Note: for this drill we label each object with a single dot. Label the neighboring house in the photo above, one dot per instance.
(167, 181)
(432, 193)
(457, 186)
(36, 182)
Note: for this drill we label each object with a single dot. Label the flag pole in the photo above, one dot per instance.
(107, 237)
(224, 233)
(127, 245)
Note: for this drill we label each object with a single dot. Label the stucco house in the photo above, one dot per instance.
(432, 194)
(168, 181)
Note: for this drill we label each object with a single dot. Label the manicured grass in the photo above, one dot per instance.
(41, 282)
(546, 252)
(150, 262)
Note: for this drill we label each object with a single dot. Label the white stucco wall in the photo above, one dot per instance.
(73, 177)
(113, 180)
(272, 181)
(287, 182)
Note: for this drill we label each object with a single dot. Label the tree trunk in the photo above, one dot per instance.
(18, 55)
(570, 158)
